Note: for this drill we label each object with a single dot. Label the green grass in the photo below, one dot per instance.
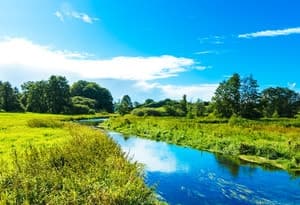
(47, 160)
(274, 142)
(16, 133)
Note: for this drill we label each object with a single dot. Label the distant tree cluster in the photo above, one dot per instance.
(9, 98)
(240, 97)
(89, 95)
(236, 96)
(56, 96)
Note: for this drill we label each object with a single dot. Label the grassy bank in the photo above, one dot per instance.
(269, 142)
(45, 160)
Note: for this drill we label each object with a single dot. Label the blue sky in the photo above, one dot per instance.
(151, 49)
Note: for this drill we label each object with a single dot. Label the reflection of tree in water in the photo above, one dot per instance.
(233, 165)
(230, 163)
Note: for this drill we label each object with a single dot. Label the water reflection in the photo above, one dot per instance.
(92, 121)
(156, 157)
(188, 176)
(230, 163)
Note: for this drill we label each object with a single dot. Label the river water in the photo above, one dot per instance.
(187, 176)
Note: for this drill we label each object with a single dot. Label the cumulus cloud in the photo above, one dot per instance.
(31, 57)
(193, 92)
(66, 11)
(271, 33)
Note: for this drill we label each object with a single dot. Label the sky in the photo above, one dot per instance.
(151, 48)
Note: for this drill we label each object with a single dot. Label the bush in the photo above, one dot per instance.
(81, 109)
(37, 123)
(247, 149)
(235, 120)
(148, 112)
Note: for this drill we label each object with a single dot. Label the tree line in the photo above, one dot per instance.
(241, 97)
(55, 96)
(236, 96)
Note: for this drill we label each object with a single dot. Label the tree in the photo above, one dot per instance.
(34, 98)
(148, 102)
(280, 101)
(227, 97)
(184, 105)
(58, 94)
(9, 98)
(250, 98)
(125, 106)
(82, 105)
(104, 100)
(199, 108)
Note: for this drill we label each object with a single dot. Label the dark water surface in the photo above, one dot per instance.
(188, 176)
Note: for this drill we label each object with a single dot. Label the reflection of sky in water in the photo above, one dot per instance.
(188, 176)
(156, 157)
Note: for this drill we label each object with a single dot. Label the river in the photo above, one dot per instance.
(187, 176)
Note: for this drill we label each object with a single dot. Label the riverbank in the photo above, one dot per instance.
(44, 159)
(266, 142)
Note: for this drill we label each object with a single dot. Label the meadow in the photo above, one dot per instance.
(269, 142)
(45, 159)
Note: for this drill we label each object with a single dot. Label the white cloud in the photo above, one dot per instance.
(146, 85)
(59, 15)
(217, 40)
(193, 92)
(205, 52)
(292, 85)
(30, 57)
(271, 33)
(66, 11)
(81, 16)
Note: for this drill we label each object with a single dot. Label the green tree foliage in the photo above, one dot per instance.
(82, 105)
(34, 98)
(148, 102)
(199, 108)
(227, 97)
(184, 105)
(279, 101)
(250, 98)
(58, 94)
(125, 106)
(153, 104)
(9, 98)
(102, 96)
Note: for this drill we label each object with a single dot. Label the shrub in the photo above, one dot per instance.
(81, 109)
(37, 123)
(148, 112)
(247, 149)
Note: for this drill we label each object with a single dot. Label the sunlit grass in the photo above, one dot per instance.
(15, 134)
(45, 159)
(267, 141)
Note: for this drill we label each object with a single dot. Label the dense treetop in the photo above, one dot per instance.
(56, 96)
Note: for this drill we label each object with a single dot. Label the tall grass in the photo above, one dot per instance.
(86, 168)
(262, 141)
